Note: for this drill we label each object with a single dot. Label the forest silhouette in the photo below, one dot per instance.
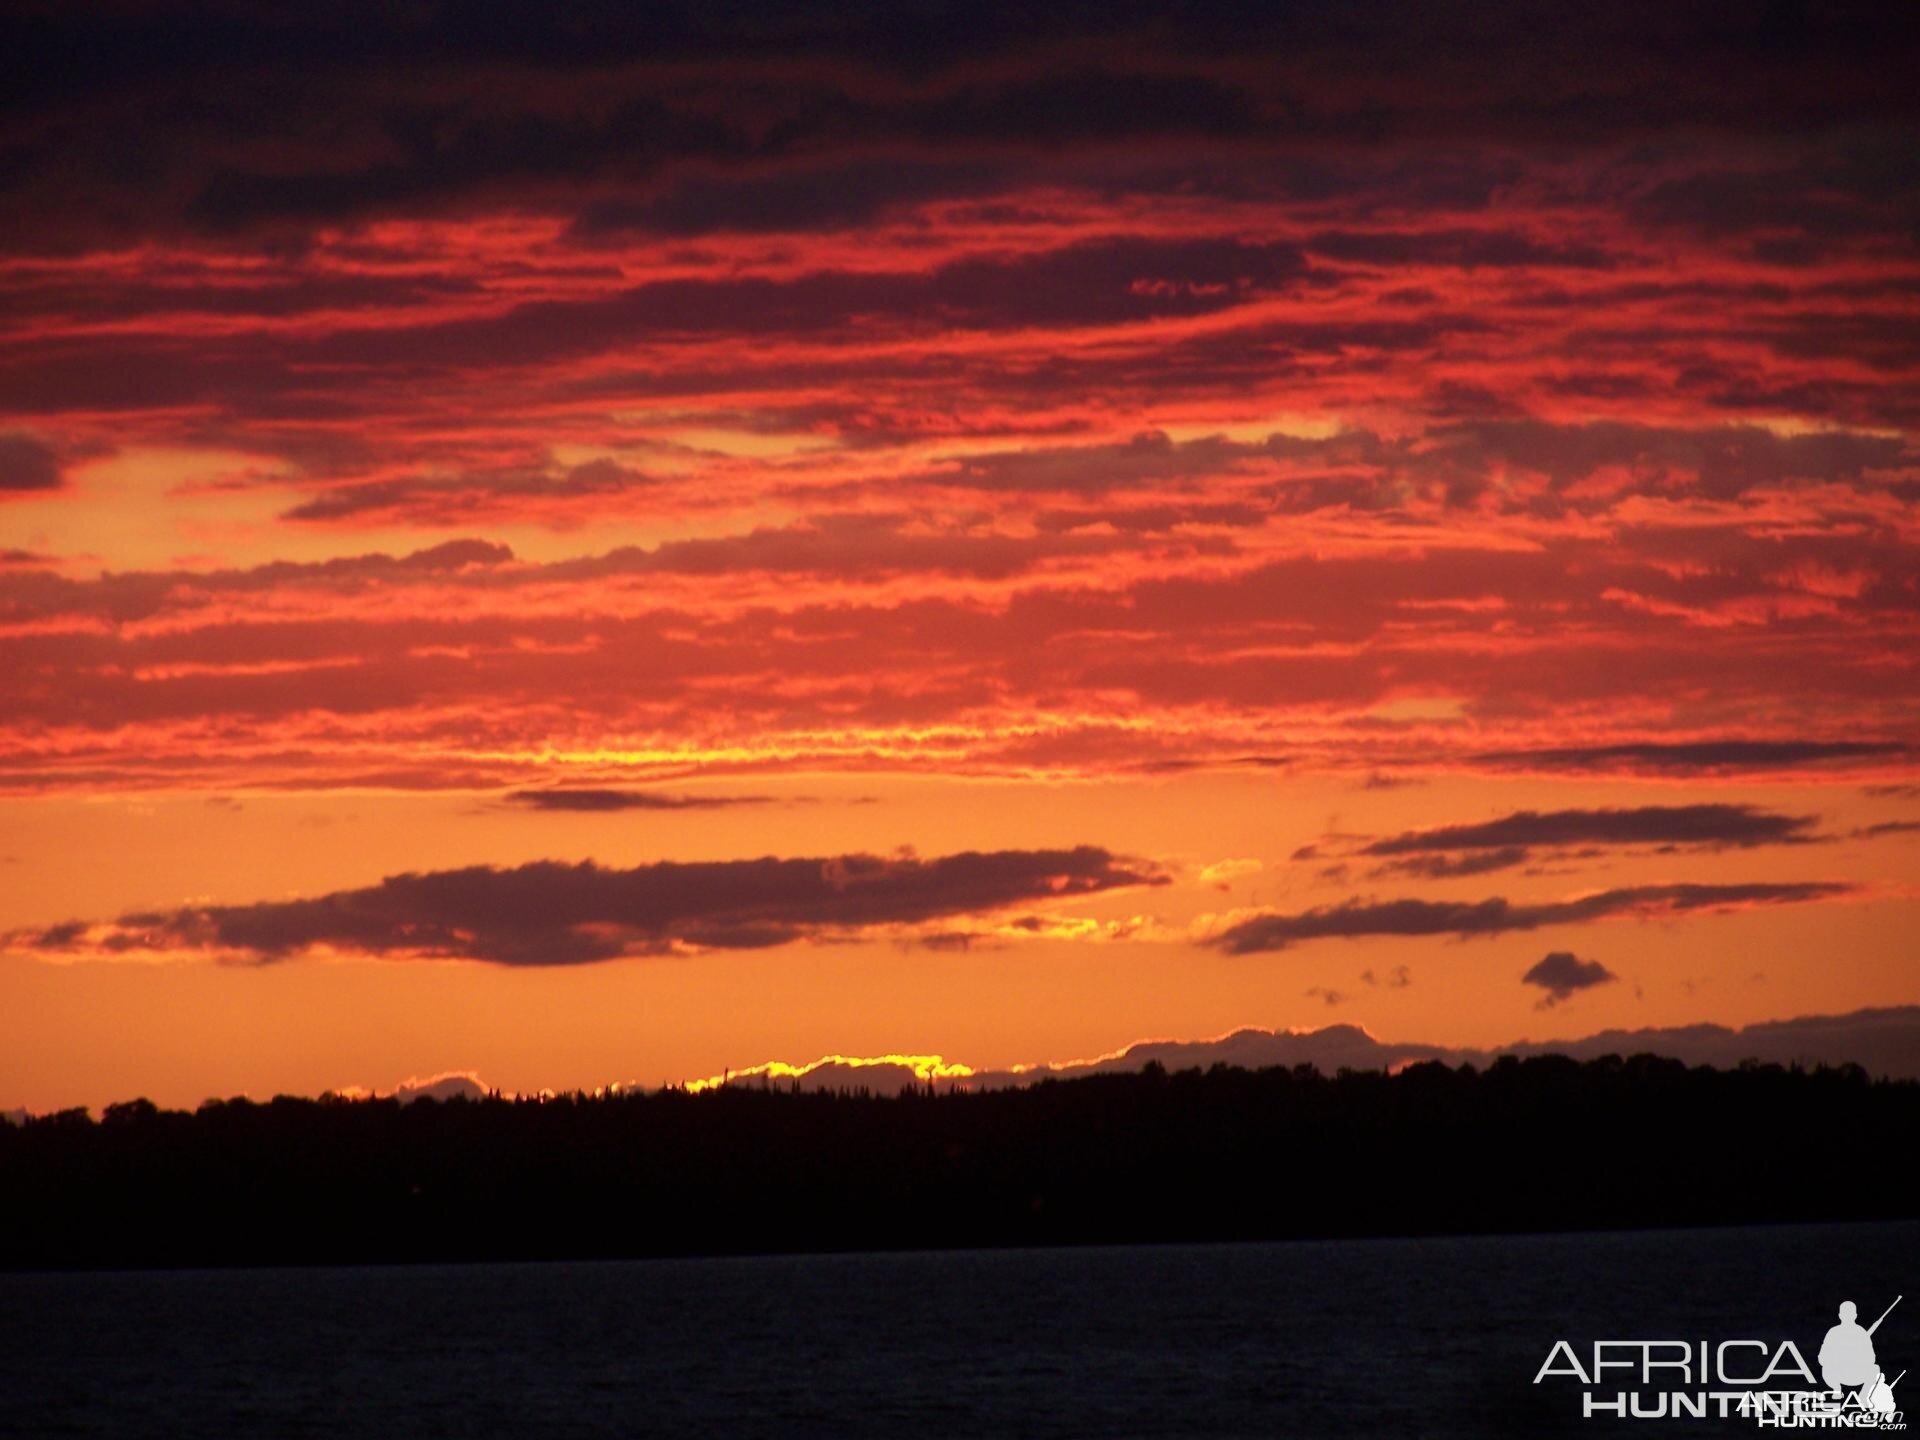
(1523, 1145)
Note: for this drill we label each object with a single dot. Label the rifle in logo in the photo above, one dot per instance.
(1883, 1315)
(1879, 1398)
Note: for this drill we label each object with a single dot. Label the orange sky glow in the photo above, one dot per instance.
(983, 577)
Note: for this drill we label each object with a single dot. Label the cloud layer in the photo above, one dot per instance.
(553, 914)
(1133, 388)
(1478, 848)
(1730, 825)
(581, 800)
(1353, 919)
(1488, 439)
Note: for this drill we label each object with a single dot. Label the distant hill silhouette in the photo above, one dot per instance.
(1224, 1153)
(441, 1087)
(1884, 1042)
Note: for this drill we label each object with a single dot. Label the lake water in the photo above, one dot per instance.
(1417, 1338)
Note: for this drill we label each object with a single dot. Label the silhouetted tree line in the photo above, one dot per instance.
(1538, 1144)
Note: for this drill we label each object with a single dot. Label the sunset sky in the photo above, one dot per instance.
(614, 548)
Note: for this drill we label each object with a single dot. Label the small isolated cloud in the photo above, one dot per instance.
(1562, 974)
(604, 802)
(1222, 873)
(953, 941)
(1327, 994)
(1384, 780)
(1398, 978)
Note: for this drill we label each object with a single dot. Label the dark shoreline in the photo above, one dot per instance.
(1525, 1146)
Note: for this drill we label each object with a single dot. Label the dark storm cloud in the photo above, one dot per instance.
(1869, 184)
(471, 490)
(1721, 461)
(602, 802)
(850, 545)
(1100, 281)
(27, 465)
(1562, 974)
(1701, 755)
(824, 197)
(546, 913)
(135, 595)
(1150, 457)
(1469, 249)
(129, 117)
(1106, 280)
(837, 546)
(186, 289)
(1499, 916)
(1702, 825)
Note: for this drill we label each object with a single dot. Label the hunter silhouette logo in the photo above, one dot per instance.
(1847, 1361)
(1766, 1381)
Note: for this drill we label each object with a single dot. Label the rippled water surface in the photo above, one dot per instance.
(1428, 1337)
